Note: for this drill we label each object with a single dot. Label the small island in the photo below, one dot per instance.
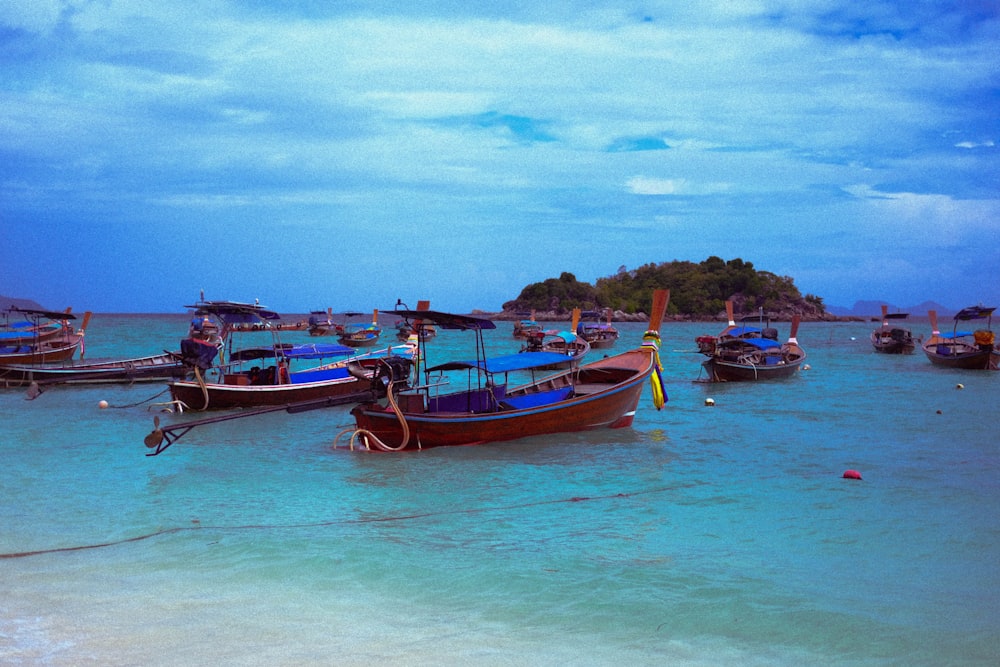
(699, 292)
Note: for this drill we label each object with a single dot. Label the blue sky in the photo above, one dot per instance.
(347, 154)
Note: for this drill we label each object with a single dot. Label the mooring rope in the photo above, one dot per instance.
(145, 400)
(336, 522)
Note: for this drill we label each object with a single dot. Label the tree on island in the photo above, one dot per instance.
(696, 291)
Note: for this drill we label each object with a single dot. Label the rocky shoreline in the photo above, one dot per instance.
(621, 316)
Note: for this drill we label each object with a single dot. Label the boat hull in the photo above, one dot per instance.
(966, 357)
(893, 341)
(218, 396)
(593, 406)
(726, 371)
(43, 353)
(153, 368)
(894, 348)
(358, 341)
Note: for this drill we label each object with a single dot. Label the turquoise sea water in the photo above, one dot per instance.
(720, 535)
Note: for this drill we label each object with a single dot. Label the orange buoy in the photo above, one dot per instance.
(852, 474)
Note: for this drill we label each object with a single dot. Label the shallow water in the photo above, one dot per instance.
(700, 536)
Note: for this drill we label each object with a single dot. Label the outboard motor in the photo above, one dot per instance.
(391, 369)
(195, 353)
(770, 333)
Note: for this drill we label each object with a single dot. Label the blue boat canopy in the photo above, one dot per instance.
(304, 351)
(742, 331)
(567, 336)
(955, 334)
(521, 361)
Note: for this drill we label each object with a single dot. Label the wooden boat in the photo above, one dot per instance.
(600, 335)
(203, 334)
(265, 375)
(321, 323)
(526, 327)
(963, 349)
(571, 347)
(31, 326)
(48, 349)
(357, 334)
(748, 353)
(601, 394)
(404, 329)
(892, 338)
(152, 368)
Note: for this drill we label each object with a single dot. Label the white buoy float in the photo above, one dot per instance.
(709, 402)
(102, 405)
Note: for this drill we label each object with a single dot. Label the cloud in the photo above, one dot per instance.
(973, 144)
(552, 121)
(644, 185)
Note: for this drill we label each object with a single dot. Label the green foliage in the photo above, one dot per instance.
(557, 294)
(698, 290)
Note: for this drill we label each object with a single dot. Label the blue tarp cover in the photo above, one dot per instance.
(521, 361)
(759, 343)
(15, 335)
(742, 331)
(305, 351)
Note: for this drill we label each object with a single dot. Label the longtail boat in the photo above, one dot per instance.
(963, 349)
(495, 406)
(892, 338)
(26, 326)
(355, 334)
(266, 375)
(600, 335)
(404, 329)
(151, 368)
(572, 347)
(749, 353)
(46, 348)
(321, 323)
(525, 327)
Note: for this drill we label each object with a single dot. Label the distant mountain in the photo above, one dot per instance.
(10, 302)
(874, 309)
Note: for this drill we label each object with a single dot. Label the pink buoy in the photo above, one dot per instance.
(852, 474)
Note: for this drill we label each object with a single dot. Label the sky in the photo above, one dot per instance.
(349, 154)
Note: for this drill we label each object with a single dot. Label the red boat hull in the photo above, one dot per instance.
(46, 352)
(607, 405)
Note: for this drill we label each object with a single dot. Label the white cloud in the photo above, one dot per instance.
(644, 185)
(973, 144)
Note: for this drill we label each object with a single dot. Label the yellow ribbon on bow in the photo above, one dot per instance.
(651, 339)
